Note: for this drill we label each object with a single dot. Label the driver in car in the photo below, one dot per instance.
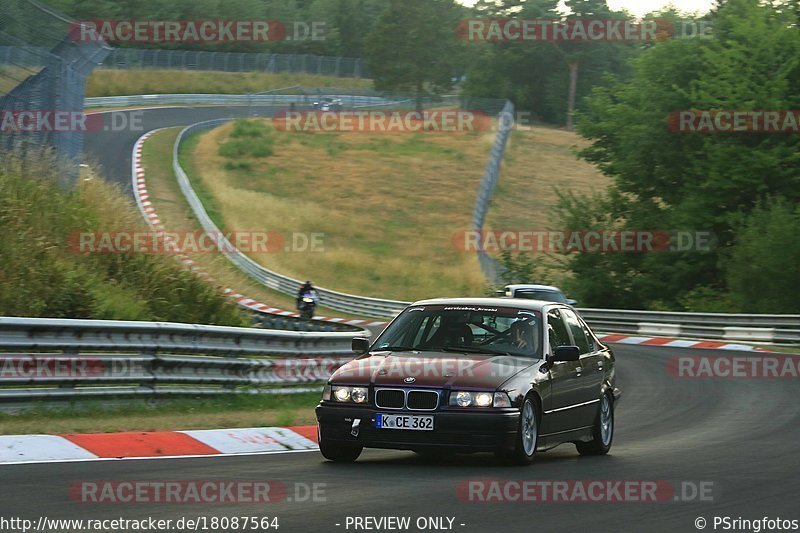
(521, 336)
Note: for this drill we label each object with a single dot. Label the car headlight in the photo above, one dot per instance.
(479, 399)
(359, 394)
(501, 399)
(350, 394)
(483, 399)
(463, 399)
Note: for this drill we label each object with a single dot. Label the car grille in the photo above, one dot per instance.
(414, 400)
(390, 398)
(422, 400)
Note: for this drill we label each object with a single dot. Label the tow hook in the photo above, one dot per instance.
(355, 427)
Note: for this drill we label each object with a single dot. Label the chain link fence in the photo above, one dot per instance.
(42, 72)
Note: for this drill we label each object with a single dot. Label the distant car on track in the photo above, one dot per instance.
(473, 374)
(328, 104)
(536, 292)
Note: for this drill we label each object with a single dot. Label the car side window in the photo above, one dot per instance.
(556, 330)
(589, 337)
(576, 328)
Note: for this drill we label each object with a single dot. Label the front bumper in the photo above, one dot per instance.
(460, 431)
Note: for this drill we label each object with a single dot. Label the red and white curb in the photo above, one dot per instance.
(16, 449)
(677, 343)
(148, 211)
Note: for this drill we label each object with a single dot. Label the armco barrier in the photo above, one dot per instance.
(46, 358)
(347, 303)
(741, 327)
(744, 327)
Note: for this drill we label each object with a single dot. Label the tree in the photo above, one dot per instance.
(689, 181)
(546, 79)
(413, 47)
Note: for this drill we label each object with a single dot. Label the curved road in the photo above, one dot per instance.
(112, 150)
(741, 435)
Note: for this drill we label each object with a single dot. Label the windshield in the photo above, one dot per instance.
(540, 294)
(468, 329)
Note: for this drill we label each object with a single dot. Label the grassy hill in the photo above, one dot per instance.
(388, 205)
(43, 275)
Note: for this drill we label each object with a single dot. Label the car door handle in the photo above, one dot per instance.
(578, 371)
(599, 365)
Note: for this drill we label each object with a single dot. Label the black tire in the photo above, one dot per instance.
(337, 452)
(603, 431)
(527, 435)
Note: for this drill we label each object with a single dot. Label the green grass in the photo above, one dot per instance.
(95, 416)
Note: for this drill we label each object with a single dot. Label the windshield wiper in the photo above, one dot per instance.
(473, 349)
(395, 349)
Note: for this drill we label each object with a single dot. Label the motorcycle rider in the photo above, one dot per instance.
(307, 290)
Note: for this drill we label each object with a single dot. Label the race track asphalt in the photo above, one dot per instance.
(739, 435)
(111, 150)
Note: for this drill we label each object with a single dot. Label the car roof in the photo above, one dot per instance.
(532, 287)
(535, 305)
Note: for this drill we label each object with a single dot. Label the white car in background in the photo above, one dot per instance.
(546, 293)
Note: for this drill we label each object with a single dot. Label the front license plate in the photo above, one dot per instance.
(418, 423)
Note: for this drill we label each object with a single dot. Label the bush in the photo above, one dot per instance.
(761, 267)
(42, 276)
(248, 138)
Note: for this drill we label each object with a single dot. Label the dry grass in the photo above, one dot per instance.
(176, 215)
(538, 161)
(110, 82)
(10, 77)
(387, 204)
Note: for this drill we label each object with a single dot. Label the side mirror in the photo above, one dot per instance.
(360, 345)
(566, 353)
(570, 301)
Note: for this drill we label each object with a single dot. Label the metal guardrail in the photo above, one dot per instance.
(728, 326)
(491, 268)
(744, 327)
(82, 358)
(339, 301)
(347, 303)
(350, 101)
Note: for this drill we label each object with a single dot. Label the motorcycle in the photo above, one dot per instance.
(307, 307)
